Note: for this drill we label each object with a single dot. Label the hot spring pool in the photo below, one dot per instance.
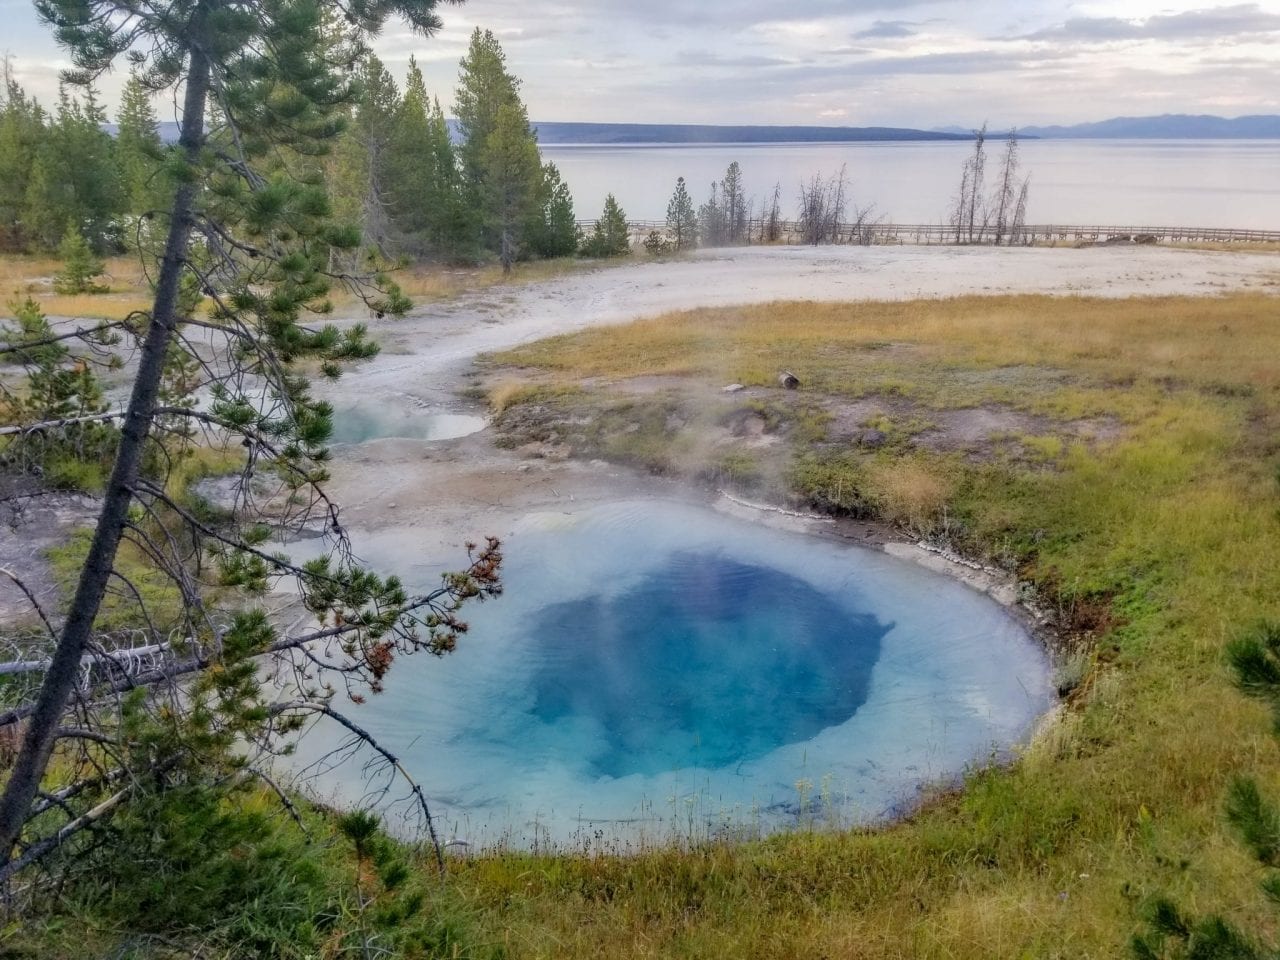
(658, 670)
(367, 420)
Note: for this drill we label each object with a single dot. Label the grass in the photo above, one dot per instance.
(432, 283)
(852, 349)
(161, 596)
(1156, 547)
(23, 276)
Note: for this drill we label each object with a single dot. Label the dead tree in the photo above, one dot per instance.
(862, 229)
(1018, 222)
(822, 207)
(771, 225)
(969, 214)
(1008, 193)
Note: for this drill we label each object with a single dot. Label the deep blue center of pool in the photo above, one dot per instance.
(705, 663)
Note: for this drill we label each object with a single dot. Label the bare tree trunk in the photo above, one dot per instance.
(377, 226)
(508, 249)
(1019, 222)
(962, 203)
(838, 203)
(978, 172)
(1008, 176)
(775, 214)
(60, 678)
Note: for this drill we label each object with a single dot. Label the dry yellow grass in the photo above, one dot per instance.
(431, 283)
(909, 493)
(22, 277)
(510, 393)
(32, 276)
(1230, 340)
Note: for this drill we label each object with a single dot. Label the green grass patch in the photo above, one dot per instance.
(1153, 545)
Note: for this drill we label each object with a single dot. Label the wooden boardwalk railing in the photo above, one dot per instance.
(759, 231)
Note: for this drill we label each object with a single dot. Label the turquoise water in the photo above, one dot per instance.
(657, 670)
(705, 662)
(358, 423)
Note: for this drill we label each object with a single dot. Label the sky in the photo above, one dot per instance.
(911, 63)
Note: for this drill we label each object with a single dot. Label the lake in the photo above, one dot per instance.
(1206, 183)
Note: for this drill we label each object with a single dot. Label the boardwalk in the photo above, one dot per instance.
(760, 231)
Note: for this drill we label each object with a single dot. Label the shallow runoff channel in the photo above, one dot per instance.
(661, 667)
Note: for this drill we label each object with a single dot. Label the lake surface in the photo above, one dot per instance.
(657, 670)
(1212, 183)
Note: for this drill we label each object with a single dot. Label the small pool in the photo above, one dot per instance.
(367, 420)
(659, 671)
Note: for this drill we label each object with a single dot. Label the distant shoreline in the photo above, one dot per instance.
(658, 134)
(1168, 127)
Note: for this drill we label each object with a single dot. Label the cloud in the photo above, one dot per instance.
(682, 14)
(1216, 23)
(952, 63)
(895, 62)
(706, 58)
(888, 30)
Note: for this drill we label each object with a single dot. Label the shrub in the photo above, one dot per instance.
(70, 473)
(657, 244)
(909, 493)
(79, 266)
(611, 236)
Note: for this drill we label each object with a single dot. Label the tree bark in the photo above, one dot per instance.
(59, 682)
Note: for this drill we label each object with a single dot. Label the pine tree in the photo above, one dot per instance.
(484, 87)
(1010, 202)
(734, 205)
(490, 115)
(363, 166)
(22, 128)
(711, 219)
(60, 387)
(552, 230)
(452, 231)
(771, 229)
(682, 221)
(79, 266)
(611, 237)
(512, 168)
(410, 190)
(262, 84)
(75, 180)
(139, 150)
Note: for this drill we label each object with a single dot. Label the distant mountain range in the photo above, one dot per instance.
(1170, 126)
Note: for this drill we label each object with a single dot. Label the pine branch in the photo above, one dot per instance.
(367, 738)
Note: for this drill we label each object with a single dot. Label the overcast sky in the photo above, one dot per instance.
(918, 63)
